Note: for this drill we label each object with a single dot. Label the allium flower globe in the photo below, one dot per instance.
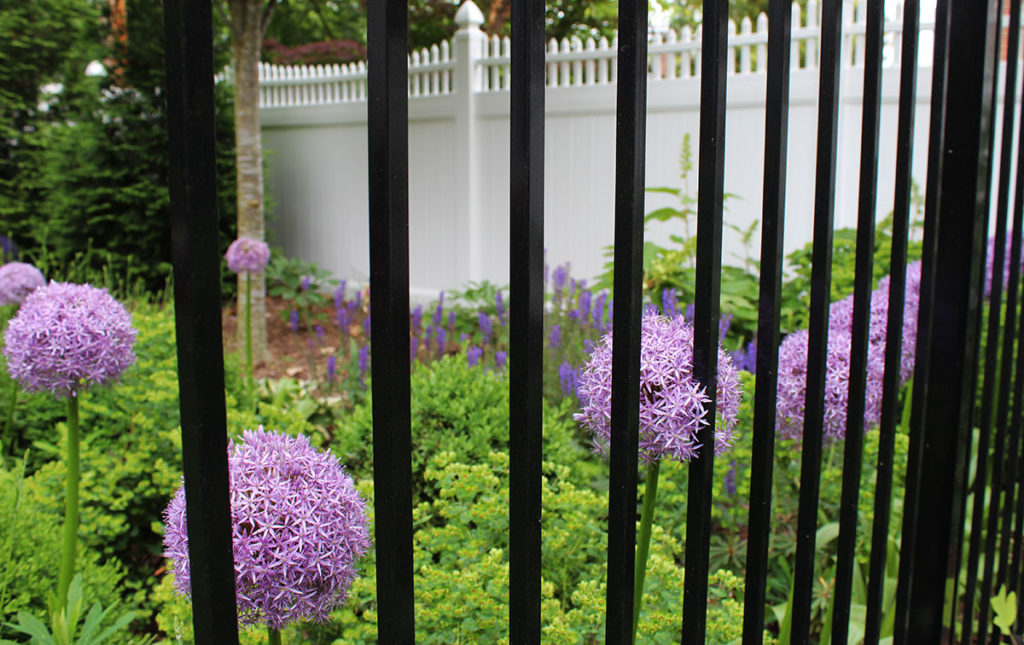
(68, 337)
(792, 375)
(672, 403)
(17, 280)
(247, 254)
(298, 527)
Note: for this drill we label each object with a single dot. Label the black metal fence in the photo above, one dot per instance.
(946, 378)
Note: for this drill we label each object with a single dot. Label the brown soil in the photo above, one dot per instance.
(294, 354)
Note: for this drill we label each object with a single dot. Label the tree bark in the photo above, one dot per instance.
(247, 27)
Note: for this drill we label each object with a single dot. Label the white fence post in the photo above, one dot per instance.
(469, 42)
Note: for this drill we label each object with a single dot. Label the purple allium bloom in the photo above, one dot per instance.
(17, 280)
(364, 360)
(672, 403)
(500, 358)
(298, 528)
(417, 317)
(293, 320)
(473, 355)
(247, 254)
(555, 338)
(730, 480)
(485, 326)
(569, 378)
(332, 368)
(339, 295)
(442, 340)
(68, 337)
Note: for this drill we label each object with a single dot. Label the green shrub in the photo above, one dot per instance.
(30, 541)
(462, 410)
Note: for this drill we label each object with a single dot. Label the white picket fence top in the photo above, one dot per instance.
(572, 62)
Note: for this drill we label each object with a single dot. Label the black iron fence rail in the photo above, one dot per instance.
(943, 412)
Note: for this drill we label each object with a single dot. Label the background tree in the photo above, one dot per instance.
(247, 22)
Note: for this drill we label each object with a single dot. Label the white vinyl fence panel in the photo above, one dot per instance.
(314, 127)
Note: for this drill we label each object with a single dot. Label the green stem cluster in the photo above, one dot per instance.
(67, 556)
(643, 540)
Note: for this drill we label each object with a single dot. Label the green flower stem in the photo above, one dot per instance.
(643, 540)
(248, 335)
(67, 556)
(274, 636)
(9, 424)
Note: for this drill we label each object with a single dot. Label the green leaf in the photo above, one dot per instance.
(826, 534)
(1004, 605)
(29, 624)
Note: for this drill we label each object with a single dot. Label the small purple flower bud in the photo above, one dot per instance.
(305, 283)
(428, 337)
(724, 322)
(599, 309)
(583, 306)
(485, 326)
(555, 338)
(689, 312)
(332, 368)
(339, 295)
(500, 358)
(293, 320)
(417, 317)
(366, 326)
(569, 378)
(499, 305)
(364, 360)
(442, 340)
(730, 480)
(439, 311)
(473, 355)
(670, 303)
(344, 319)
(746, 359)
(560, 277)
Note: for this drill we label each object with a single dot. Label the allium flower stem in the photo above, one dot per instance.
(248, 335)
(643, 540)
(67, 556)
(9, 423)
(274, 636)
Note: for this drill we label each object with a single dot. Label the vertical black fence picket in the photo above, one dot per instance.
(387, 108)
(711, 176)
(821, 281)
(894, 320)
(188, 58)
(630, 133)
(943, 396)
(526, 319)
(948, 403)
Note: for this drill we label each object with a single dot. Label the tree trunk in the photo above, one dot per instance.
(247, 36)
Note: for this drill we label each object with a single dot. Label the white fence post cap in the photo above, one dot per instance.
(469, 15)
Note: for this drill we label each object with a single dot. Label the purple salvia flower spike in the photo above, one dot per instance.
(473, 355)
(500, 359)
